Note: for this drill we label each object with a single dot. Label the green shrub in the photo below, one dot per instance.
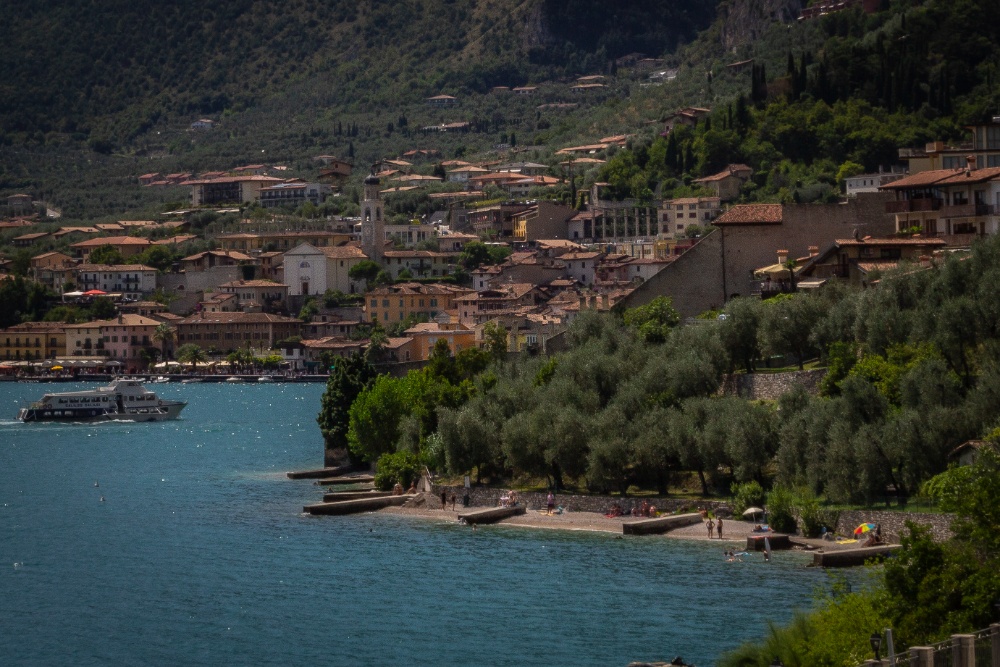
(747, 494)
(781, 510)
(811, 515)
(401, 467)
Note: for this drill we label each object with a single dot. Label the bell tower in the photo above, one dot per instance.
(372, 220)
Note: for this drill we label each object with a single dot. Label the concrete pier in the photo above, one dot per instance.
(852, 557)
(353, 479)
(355, 506)
(337, 496)
(659, 525)
(492, 514)
(321, 473)
(778, 541)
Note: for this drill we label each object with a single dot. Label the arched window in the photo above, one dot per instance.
(303, 265)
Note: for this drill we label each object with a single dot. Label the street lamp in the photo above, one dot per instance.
(876, 641)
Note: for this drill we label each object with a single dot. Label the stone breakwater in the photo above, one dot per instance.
(490, 497)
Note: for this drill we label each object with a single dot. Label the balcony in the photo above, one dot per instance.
(967, 210)
(913, 205)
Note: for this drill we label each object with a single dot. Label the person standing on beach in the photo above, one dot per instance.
(710, 525)
(453, 499)
(444, 500)
(550, 503)
(718, 526)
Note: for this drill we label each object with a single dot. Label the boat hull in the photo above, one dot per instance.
(166, 411)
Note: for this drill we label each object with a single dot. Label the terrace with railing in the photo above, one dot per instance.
(976, 649)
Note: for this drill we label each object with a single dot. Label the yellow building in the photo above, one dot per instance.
(396, 303)
(425, 336)
(33, 340)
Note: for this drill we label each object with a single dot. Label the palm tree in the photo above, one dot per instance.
(791, 265)
(164, 335)
(190, 353)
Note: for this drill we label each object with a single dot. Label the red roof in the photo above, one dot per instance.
(927, 178)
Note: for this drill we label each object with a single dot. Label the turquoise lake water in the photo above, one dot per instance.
(200, 555)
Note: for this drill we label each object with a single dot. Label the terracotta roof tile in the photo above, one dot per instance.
(892, 241)
(921, 179)
(751, 214)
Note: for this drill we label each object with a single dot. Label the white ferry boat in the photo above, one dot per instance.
(122, 400)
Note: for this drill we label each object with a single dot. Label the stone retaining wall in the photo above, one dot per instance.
(894, 523)
(490, 497)
(769, 386)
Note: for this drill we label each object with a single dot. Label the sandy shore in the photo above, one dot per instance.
(732, 531)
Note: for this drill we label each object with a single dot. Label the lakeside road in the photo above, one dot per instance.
(733, 531)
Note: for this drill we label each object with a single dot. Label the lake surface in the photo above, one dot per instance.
(200, 555)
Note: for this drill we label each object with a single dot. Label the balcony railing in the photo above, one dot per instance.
(913, 205)
(967, 210)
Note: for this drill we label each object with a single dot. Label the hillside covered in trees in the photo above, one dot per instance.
(112, 71)
(94, 98)
(914, 371)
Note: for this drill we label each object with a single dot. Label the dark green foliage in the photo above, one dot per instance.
(21, 301)
(477, 253)
(348, 378)
(106, 254)
(157, 256)
(745, 495)
(399, 467)
(739, 332)
(781, 510)
(365, 270)
(103, 308)
(653, 321)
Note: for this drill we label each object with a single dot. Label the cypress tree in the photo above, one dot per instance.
(671, 157)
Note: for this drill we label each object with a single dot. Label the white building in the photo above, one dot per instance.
(311, 270)
(293, 194)
(132, 281)
(581, 266)
(410, 235)
(869, 182)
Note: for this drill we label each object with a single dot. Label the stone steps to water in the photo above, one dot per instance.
(355, 506)
(492, 514)
(853, 557)
(353, 479)
(660, 525)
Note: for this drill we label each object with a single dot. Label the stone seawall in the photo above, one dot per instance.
(894, 523)
(490, 497)
(769, 386)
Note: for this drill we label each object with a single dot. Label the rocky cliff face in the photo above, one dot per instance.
(742, 21)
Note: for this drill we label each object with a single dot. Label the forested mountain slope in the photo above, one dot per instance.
(110, 70)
